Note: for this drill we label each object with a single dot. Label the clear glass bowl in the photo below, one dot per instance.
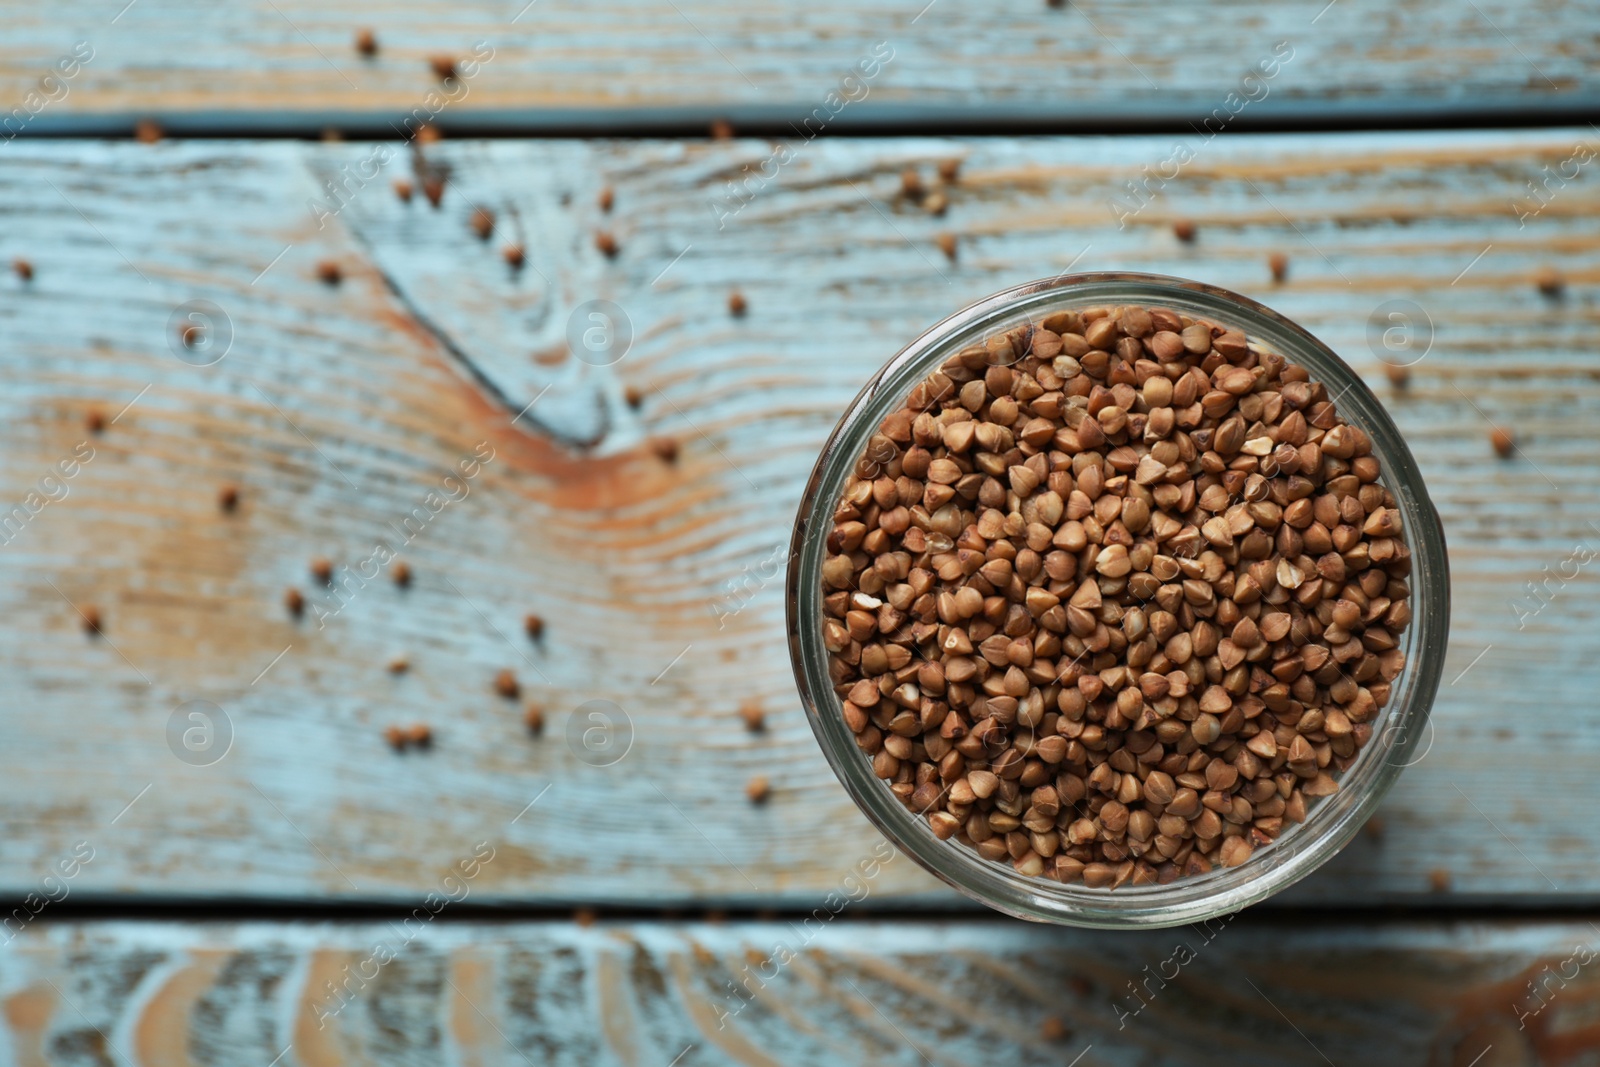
(1331, 822)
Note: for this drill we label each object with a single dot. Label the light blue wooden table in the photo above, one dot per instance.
(643, 910)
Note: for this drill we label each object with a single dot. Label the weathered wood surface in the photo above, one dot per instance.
(289, 65)
(338, 410)
(837, 992)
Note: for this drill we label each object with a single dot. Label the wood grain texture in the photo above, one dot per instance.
(769, 994)
(339, 409)
(289, 65)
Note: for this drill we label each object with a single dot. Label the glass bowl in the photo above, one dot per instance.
(1331, 821)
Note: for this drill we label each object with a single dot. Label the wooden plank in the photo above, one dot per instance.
(338, 410)
(835, 991)
(290, 65)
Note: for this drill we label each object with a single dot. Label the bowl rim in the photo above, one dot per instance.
(1188, 899)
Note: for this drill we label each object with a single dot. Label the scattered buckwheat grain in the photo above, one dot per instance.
(514, 256)
(755, 719)
(505, 683)
(401, 573)
(533, 719)
(721, 130)
(606, 199)
(949, 171)
(400, 738)
(23, 269)
(228, 498)
(329, 272)
(758, 789)
(95, 421)
(607, 244)
(482, 223)
(736, 304)
(665, 447)
(947, 244)
(1503, 441)
(91, 619)
(1549, 281)
(1278, 264)
(443, 66)
(534, 625)
(366, 42)
(403, 190)
(911, 186)
(1183, 230)
(294, 601)
(322, 570)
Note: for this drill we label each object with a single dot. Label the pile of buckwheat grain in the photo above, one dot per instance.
(1113, 596)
